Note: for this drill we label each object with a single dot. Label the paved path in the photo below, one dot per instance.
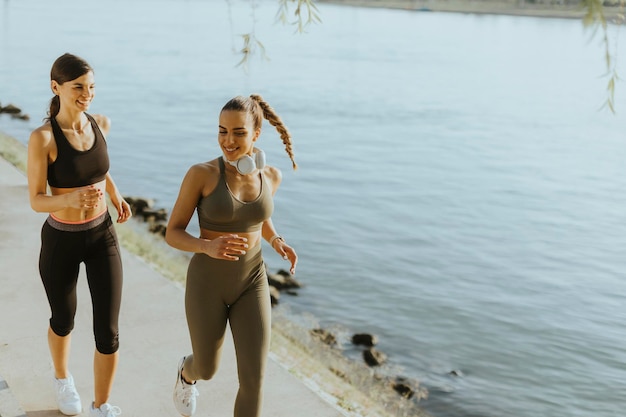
(153, 335)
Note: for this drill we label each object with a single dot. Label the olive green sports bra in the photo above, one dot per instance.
(222, 212)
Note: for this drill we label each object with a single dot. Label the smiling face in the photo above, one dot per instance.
(236, 134)
(77, 94)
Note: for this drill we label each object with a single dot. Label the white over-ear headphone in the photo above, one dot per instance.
(247, 164)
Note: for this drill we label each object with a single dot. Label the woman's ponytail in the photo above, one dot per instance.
(55, 106)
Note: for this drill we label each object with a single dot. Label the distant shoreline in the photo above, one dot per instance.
(613, 14)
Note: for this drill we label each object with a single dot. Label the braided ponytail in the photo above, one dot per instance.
(275, 120)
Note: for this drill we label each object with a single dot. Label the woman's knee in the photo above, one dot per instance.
(206, 374)
(62, 327)
(107, 341)
(199, 369)
(63, 311)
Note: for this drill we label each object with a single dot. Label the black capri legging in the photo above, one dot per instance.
(63, 248)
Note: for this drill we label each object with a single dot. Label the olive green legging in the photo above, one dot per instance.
(218, 292)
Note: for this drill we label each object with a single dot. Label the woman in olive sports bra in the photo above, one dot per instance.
(226, 278)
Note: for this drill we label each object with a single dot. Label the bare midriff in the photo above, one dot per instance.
(254, 238)
(72, 215)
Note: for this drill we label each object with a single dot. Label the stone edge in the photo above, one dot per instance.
(9, 407)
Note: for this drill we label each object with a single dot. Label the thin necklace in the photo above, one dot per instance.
(80, 130)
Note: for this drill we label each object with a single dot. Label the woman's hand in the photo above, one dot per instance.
(227, 247)
(287, 252)
(84, 198)
(123, 208)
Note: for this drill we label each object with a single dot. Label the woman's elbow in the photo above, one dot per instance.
(169, 236)
(34, 204)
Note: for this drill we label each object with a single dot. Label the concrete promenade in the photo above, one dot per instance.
(153, 335)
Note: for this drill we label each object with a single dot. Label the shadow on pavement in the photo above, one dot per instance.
(44, 413)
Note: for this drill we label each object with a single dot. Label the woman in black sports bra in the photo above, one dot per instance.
(68, 153)
(226, 279)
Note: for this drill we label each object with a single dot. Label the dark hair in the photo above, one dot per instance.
(67, 67)
(259, 109)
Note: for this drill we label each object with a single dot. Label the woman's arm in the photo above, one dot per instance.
(268, 231)
(278, 244)
(37, 172)
(176, 234)
(123, 208)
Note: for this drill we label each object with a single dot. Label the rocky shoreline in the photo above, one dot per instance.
(567, 9)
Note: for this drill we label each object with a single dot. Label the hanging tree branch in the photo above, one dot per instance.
(595, 19)
(311, 11)
(305, 13)
(250, 46)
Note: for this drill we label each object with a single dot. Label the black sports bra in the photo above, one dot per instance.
(74, 168)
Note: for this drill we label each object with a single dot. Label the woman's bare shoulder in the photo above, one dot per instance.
(205, 168)
(103, 122)
(42, 135)
(273, 175)
(203, 176)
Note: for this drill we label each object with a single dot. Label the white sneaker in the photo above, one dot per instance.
(105, 410)
(184, 394)
(68, 399)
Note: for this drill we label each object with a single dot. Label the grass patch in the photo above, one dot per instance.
(13, 151)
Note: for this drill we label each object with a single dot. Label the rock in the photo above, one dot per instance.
(374, 357)
(158, 228)
(15, 112)
(139, 204)
(151, 215)
(276, 280)
(409, 388)
(10, 109)
(21, 116)
(404, 389)
(325, 336)
(283, 273)
(364, 339)
(283, 282)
